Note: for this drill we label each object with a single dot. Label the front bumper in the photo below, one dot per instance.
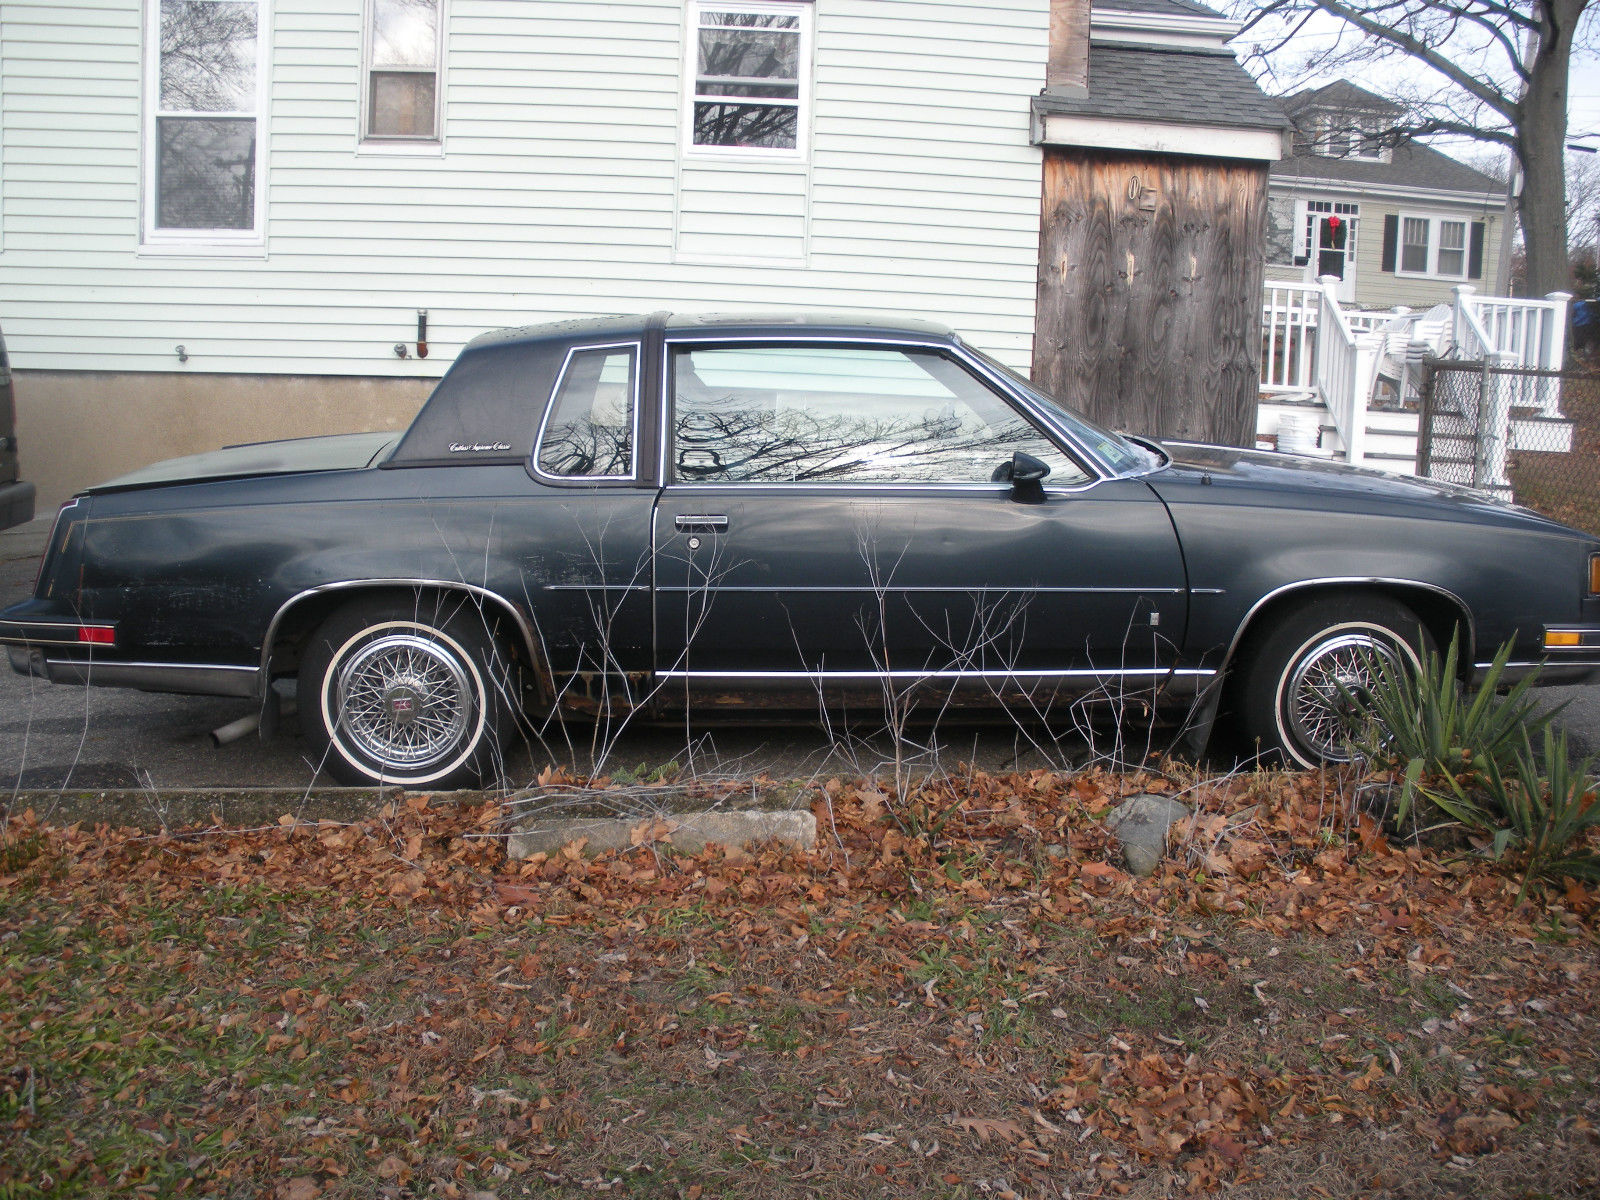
(1562, 665)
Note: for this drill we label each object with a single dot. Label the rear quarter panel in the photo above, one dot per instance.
(196, 573)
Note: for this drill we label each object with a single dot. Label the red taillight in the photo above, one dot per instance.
(97, 635)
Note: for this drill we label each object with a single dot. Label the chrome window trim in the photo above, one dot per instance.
(637, 346)
(1097, 469)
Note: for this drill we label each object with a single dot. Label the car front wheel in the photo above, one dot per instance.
(1302, 682)
(403, 694)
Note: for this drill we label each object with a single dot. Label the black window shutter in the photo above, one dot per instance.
(1391, 240)
(1475, 254)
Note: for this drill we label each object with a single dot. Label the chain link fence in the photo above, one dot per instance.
(1530, 436)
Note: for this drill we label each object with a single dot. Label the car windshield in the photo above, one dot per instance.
(1123, 456)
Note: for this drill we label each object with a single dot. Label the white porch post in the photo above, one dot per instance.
(1458, 313)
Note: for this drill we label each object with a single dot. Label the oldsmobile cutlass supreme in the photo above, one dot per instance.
(650, 513)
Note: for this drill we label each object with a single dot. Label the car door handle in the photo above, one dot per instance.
(701, 522)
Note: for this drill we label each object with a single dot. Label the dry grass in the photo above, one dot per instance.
(392, 1010)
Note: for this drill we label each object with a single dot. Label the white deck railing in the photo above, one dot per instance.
(1288, 336)
(1513, 332)
(1342, 373)
(1309, 344)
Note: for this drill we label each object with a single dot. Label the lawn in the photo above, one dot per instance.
(959, 995)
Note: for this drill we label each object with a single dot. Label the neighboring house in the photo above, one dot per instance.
(1398, 225)
(229, 220)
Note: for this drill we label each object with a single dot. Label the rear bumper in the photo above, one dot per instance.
(194, 679)
(16, 504)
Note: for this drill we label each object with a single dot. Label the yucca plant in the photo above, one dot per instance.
(1548, 804)
(1440, 739)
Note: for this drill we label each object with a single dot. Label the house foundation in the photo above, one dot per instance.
(79, 428)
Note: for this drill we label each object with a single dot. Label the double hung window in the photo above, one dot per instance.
(204, 139)
(749, 68)
(1433, 246)
(404, 45)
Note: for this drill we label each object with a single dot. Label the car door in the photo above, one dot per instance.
(835, 511)
(587, 558)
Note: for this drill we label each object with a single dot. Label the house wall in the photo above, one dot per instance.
(561, 191)
(91, 426)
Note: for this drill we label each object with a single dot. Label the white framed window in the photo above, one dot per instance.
(1367, 146)
(1433, 246)
(402, 73)
(1336, 136)
(748, 77)
(1452, 257)
(205, 118)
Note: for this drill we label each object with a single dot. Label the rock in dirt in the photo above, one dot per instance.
(1141, 823)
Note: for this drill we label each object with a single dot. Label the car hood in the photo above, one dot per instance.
(338, 452)
(1338, 485)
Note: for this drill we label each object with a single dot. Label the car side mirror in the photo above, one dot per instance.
(1025, 474)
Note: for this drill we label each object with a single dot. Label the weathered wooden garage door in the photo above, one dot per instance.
(1150, 272)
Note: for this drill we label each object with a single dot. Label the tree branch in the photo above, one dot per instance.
(1423, 52)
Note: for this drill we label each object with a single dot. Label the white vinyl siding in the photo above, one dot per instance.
(563, 189)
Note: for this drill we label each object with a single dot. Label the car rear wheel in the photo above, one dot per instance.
(1300, 683)
(404, 694)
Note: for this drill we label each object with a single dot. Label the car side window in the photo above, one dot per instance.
(588, 431)
(849, 414)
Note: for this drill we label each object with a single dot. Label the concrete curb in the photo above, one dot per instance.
(682, 831)
(154, 809)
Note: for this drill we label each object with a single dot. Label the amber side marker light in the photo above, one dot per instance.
(97, 635)
(1594, 574)
(1555, 637)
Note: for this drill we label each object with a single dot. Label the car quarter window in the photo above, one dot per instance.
(847, 414)
(589, 430)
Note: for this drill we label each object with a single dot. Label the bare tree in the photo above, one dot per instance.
(1583, 221)
(1492, 70)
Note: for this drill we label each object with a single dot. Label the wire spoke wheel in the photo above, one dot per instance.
(404, 701)
(402, 695)
(1327, 688)
(1307, 671)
